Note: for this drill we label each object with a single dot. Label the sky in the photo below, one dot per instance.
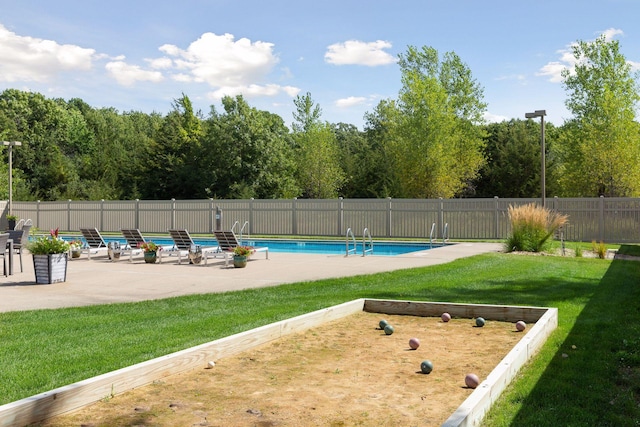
(142, 55)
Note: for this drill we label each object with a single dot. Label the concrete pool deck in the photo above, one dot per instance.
(100, 281)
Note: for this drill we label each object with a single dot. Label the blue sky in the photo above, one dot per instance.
(141, 54)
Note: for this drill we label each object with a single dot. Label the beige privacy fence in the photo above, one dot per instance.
(601, 219)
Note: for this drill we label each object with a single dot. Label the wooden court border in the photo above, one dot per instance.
(77, 395)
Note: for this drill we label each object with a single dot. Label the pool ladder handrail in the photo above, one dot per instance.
(349, 251)
(241, 234)
(365, 235)
(433, 230)
(445, 234)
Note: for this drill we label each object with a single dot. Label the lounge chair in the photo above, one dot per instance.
(227, 241)
(4, 238)
(184, 244)
(20, 239)
(96, 244)
(134, 239)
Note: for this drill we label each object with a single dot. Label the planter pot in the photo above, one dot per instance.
(50, 268)
(75, 253)
(12, 224)
(150, 257)
(240, 261)
(113, 250)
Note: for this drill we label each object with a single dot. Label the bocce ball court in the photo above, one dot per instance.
(330, 365)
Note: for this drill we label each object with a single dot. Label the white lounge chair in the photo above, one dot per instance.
(93, 242)
(134, 240)
(227, 241)
(183, 244)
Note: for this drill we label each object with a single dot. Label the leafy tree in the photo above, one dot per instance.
(599, 148)
(513, 160)
(251, 153)
(362, 160)
(172, 170)
(46, 128)
(434, 141)
(318, 174)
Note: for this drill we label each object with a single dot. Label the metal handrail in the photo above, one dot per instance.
(365, 250)
(433, 230)
(353, 238)
(445, 233)
(241, 233)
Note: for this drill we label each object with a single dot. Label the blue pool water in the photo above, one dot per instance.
(332, 247)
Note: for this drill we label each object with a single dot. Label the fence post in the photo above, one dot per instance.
(294, 216)
(441, 217)
(173, 213)
(38, 213)
(101, 215)
(601, 220)
(389, 217)
(68, 214)
(136, 214)
(340, 216)
(497, 218)
(250, 230)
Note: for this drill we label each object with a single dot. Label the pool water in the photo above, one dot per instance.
(326, 247)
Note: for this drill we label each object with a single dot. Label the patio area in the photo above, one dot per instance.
(100, 281)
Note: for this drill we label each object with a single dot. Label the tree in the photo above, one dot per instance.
(434, 141)
(172, 170)
(599, 148)
(251, 153)
(317, 153)
(513, 160)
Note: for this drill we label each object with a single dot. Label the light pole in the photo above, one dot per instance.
(541, 114)
(11, 144)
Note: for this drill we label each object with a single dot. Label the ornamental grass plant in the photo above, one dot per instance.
(531, 227)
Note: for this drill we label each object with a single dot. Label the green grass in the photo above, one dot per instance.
(598, 384)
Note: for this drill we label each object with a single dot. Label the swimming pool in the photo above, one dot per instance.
(325, 247)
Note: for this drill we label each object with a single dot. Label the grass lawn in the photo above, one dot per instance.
(587, 374)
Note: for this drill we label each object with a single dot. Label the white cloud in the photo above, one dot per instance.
(160, 63)
(494, 118)
(220, 61)
(32, 59)
(253, 90)
(568, 61)
(350, 101)
(610, 33)
(355, 52)
(127, 75)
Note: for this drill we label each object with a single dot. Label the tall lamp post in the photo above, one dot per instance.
(11, 144)
(541, 114)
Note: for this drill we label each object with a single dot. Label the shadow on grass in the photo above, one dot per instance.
(593, 379)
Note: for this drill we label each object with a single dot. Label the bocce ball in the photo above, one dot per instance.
(479, 322)
(445, 317)
(426, 366)
(414, 343)
(471, 380)
(520, 325)
(388, 329)
(383, 323)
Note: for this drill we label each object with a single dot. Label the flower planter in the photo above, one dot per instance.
(50, 268)
(150, 257)
(240, 261)
(75, 253)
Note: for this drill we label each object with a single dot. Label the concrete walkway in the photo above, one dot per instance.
(100, 281)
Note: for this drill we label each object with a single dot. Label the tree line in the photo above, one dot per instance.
(429, 142)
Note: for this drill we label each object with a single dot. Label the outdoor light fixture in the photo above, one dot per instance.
(541, 114)
(11, 144)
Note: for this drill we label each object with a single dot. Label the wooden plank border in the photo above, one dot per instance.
(74, 396)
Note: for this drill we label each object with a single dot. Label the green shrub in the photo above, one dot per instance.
(578, 251)
(531, 227)
(599, 249)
